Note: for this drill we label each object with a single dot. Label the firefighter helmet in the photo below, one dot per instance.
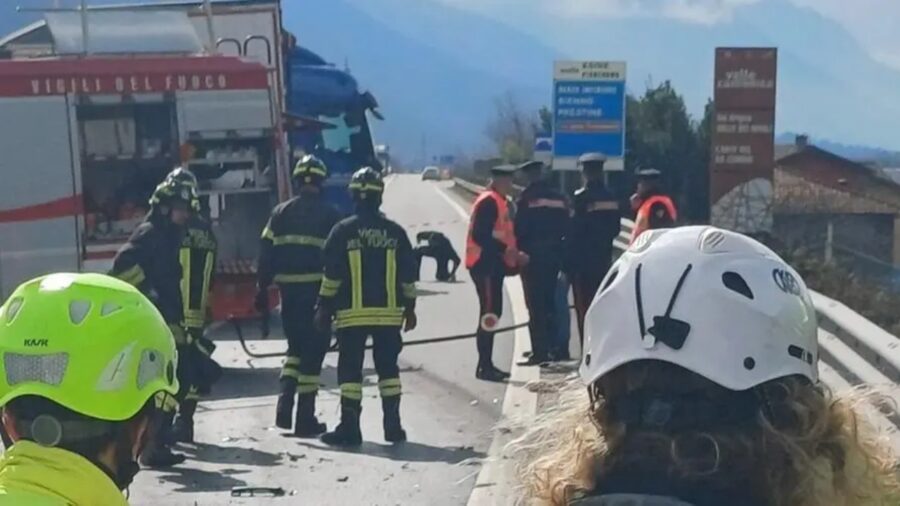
(310, 170)
(183, 176)
(171, 191)
(365, 182)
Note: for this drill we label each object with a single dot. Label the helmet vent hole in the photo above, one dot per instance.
(749, 363)
(736, 283)
(12, 309)
(78, 311)
(711, 241)
(110, 308)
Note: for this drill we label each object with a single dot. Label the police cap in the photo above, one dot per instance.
(503, 170)
(593, 158)
(531, 166)
(648, 174)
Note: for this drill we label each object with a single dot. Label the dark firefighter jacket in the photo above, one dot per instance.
(292, 242)
(149, 261)
(370, 272)
(596, 222)
(542, 218)
(198, 266)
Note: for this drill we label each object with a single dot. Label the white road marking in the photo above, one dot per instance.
(518, 402)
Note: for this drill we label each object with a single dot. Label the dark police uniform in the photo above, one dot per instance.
(437, 246)
(542, 217)
(369, 286)
(596, 222)
(291, 257)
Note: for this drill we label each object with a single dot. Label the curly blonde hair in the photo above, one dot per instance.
(808, 447)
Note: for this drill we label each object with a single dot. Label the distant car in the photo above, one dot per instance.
(431, 173)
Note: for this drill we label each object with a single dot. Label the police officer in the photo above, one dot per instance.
(78, 428)
(197, 369)
(437, 246)
(369, 290)
(596, 222)
(542, 217)
(291, 257)
(149, 261)
(491, 254)
(654, 209)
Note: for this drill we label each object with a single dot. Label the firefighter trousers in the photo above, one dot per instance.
(306, 345)
(386, 346)
(490, 300)
(539, 283)
(584, 287)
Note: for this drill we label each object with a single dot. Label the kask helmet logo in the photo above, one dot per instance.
(786, 282)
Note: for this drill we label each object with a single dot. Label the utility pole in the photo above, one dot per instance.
(210, 29)
(85, 32)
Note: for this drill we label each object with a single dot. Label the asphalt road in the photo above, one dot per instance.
(448, 414)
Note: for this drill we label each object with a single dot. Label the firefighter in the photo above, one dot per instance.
(291, 257)
(77, 428)
(595, 224)
(197, 370)
(149, 261)
(437, 246)
(542, 217)
(492, 254)
(654, 209)
(369, 290)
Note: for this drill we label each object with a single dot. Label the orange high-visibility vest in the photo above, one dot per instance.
(642, 222)
(503, 230)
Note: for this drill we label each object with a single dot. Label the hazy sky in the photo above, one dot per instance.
(874, 23)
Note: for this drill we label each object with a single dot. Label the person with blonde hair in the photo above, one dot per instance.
(702, 389)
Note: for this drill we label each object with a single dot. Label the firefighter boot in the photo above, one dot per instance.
(347, 432)
(157, 454)
(393, 430)
(284, 410)
(183, 428)
(307, 423)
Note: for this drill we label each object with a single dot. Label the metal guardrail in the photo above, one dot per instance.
(863, 345)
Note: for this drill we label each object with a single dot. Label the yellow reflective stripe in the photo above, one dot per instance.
(184, 257)
(409, 290)
(356, 278)
(192, 395)
(194, 319)
(267, 233)
(390, 387)
(299, 171)
(292, 361)
(371, 321)
(298, 240)
(298, 278)
(165, 401)
(329, 287)
(369, 312)
(288, 372)
(207, 281)
(308, 379)
(133, 276)
(352, 391)
(366, 187)
(390, 276)
(307, 389)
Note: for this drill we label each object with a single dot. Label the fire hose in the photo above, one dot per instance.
(416, 342)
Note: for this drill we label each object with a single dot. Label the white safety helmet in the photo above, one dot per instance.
(714, 302)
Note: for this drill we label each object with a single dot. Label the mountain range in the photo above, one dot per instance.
(437, 69)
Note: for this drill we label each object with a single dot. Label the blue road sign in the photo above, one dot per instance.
(588, 112)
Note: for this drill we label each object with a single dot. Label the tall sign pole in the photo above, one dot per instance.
(588, 112)
(742, 161)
